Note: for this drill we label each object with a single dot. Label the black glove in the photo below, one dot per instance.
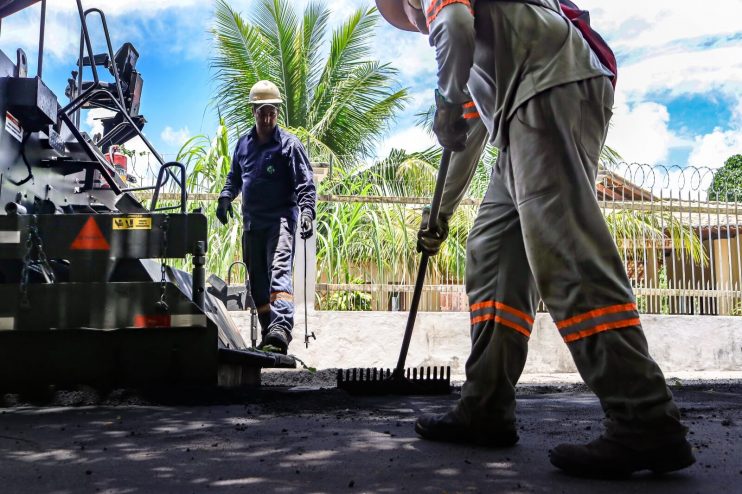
(307, 228)
(449, 124)
(224, 208)
(430, 241)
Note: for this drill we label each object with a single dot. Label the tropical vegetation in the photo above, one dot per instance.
(727, 182)
(340, 102)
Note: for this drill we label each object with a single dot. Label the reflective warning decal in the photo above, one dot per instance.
(10, 237)
(13, 126)
(169, 320)
(132, 223)
(181, 320)
(90, 238)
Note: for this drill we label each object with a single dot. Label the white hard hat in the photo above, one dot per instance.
(265, 93)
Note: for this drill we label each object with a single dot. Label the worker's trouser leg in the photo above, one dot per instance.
(547, 174)
(269, 255)
(503, 300)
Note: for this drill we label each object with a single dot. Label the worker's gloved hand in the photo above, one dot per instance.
(224, 208)
(430, 241)
(449, 124)
(307, 228)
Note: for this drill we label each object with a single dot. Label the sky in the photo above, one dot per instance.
(678, 100)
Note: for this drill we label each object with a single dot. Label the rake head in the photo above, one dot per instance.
(435, 381)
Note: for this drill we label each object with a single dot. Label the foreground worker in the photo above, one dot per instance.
(271, 169)
(546, 101)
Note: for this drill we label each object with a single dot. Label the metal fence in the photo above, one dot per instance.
(675, 228)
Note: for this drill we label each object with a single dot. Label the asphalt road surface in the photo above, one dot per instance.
(300, 440)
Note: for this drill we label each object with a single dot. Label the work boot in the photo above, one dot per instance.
(275, 341)
(449, 428)
(604, 458)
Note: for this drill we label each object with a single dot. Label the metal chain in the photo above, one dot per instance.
(307, 334)
(34, 243)
(25, 304)
(162, 305)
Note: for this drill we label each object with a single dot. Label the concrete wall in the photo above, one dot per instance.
(373, 339)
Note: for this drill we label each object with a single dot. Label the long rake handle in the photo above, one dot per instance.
(435, 207)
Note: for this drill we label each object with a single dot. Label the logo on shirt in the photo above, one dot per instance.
(271, 169)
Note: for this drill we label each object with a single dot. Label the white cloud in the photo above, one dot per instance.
(117, 7)
(175, 137)
(714, 148)
(409, 53)
(410, 139)
(638, 23)
(691, 72)
(93, 120)
(639, 132)
(673, 52)
(143, 164)
(171, 26)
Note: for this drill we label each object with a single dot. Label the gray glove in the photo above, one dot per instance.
(449, 124)
(430, 241)
(307, 228)
(224, 208)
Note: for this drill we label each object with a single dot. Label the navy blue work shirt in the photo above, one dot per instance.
(275, 178)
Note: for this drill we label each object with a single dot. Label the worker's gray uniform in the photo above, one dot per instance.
(546, 102)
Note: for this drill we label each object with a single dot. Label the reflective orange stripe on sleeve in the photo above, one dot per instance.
(470, 111)
(436, 5)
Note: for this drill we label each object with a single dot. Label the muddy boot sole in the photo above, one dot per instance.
(608, 460)
(461, 435)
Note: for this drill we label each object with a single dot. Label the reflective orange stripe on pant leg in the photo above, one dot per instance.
(600, 328)
(598, 320)
(503, 307)
(496, 311)
(504, 322)
(595, 313)
(286, 296)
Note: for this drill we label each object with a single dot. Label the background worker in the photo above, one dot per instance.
(271, 168)
(546, 101)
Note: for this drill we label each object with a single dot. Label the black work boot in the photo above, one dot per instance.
(449, 428)
(603, 458)
(275, 341)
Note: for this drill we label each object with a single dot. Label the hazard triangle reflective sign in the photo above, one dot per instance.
(90, 238)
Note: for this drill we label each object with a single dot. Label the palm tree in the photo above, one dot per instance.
(340, 102)
(208, 161)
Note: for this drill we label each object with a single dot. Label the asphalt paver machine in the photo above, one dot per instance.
(86, 295)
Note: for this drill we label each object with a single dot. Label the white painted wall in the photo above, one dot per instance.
(373, 339)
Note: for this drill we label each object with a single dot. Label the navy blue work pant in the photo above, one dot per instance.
(269, 254)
